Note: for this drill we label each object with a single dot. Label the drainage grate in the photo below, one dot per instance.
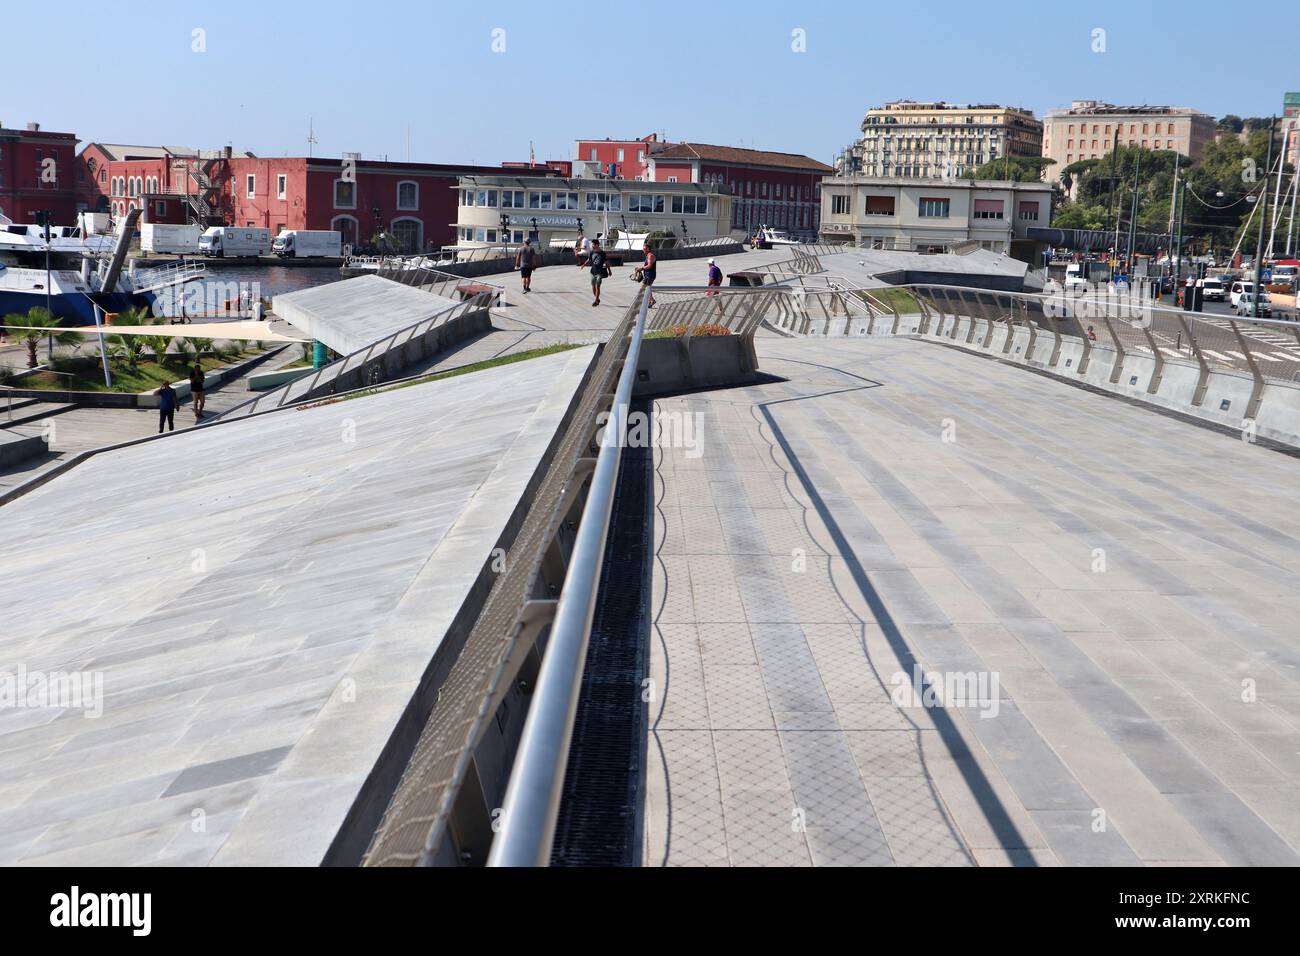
(600, 814)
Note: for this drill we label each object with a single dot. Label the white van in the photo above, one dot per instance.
(308, 244)
(1238, 290)
(223, 241)
(166, 237)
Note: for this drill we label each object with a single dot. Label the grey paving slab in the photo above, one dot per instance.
(1120, 691)
(265, 597)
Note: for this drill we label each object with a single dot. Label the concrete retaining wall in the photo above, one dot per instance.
(19, 444)
(677, 365)
(263, 381)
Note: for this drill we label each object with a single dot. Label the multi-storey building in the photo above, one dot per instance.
(913, 140)
(414, 203)
(37, 174)
(497, 209)
(767, 188)
(615, 158)
(931, 215)
(1290, 126)
(1088, 128)
(115, 177)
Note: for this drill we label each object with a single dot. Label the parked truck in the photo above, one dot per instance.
(225, 241)
(164, 237)
(308, 244)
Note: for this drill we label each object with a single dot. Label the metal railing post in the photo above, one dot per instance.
(1203, 380)
(1256, 392)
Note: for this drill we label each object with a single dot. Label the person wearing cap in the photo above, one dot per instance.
(715, 280)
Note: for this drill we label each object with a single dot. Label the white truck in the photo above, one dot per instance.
(308, 244)
(221, 241)
(166, 237)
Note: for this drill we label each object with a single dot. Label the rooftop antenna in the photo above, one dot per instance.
(311, 135)
(408, 144)
(532, 154)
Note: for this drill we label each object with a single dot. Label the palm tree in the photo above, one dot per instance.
(158, 344)
(37, 323)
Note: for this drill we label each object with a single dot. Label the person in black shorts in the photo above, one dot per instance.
(648, 272)
(599, 263)
(196, 388)
(524, 262)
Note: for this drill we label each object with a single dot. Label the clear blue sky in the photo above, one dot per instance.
(718, 71)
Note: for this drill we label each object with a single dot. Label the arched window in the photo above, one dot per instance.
(409, 233)
(345, 226)
(408, 194)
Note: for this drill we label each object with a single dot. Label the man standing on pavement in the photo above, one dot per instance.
(524, 262)
(196, 389)
(166, 407)
(599, 270)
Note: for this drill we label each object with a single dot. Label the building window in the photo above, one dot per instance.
(763, 190)
(159, 208)
(988, 209)
(602, 202)
(691, 205)
(839, 205)
(1029, 212)
(512, 199)
(620, 155)
(483, 197)
(880, 206)
(409, 234)
(672, 179)
(566, 201)
(539, 200)
(593, 154)
(933, 208)
(778, 190)
(644, 202)
(345, 194)
(250, 185)
(281, 186)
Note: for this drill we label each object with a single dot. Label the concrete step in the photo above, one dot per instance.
(34, 411)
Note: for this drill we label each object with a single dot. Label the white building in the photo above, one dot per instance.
(493, 210)
(931, 215)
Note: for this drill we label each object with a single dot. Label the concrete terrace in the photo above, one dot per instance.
(261, 598)
(829, 538)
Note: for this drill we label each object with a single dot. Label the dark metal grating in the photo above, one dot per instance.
(600, 816)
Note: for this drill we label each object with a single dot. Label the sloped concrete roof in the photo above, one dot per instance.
(351, 314)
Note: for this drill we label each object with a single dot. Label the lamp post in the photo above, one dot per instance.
(1263, 214)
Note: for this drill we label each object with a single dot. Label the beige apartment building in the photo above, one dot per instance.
(913, 140)
(1087, 129)
(932, 215)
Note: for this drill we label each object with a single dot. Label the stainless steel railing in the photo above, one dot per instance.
(532, 801)
(301, 389)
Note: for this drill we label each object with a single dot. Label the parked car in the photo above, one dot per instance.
(1212, 290)
(1245, 305)
(1238, 289)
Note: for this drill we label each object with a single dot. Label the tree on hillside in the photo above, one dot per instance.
(1231, 123)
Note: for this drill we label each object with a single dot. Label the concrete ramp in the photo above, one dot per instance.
(351, 314)
(259, 605)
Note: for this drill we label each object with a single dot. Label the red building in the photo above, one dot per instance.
(115, 178)
(627, 158)
(774, 189)
(413, 202)
(37, 172)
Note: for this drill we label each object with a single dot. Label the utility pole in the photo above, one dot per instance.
(1173, 206)
(1290, 225)
(1277, 189)
(1114, 156)
(1132, 221)
(1259, 242)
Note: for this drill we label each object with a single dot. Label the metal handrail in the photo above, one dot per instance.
(532, 801)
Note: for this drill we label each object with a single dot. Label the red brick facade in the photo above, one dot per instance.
(38, 172)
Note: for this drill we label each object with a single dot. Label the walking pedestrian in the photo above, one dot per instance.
(582, 251)
(648, 272)
(166, 407)
(196, 389)
(715, 280)
(599, 262)
(524, 262)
